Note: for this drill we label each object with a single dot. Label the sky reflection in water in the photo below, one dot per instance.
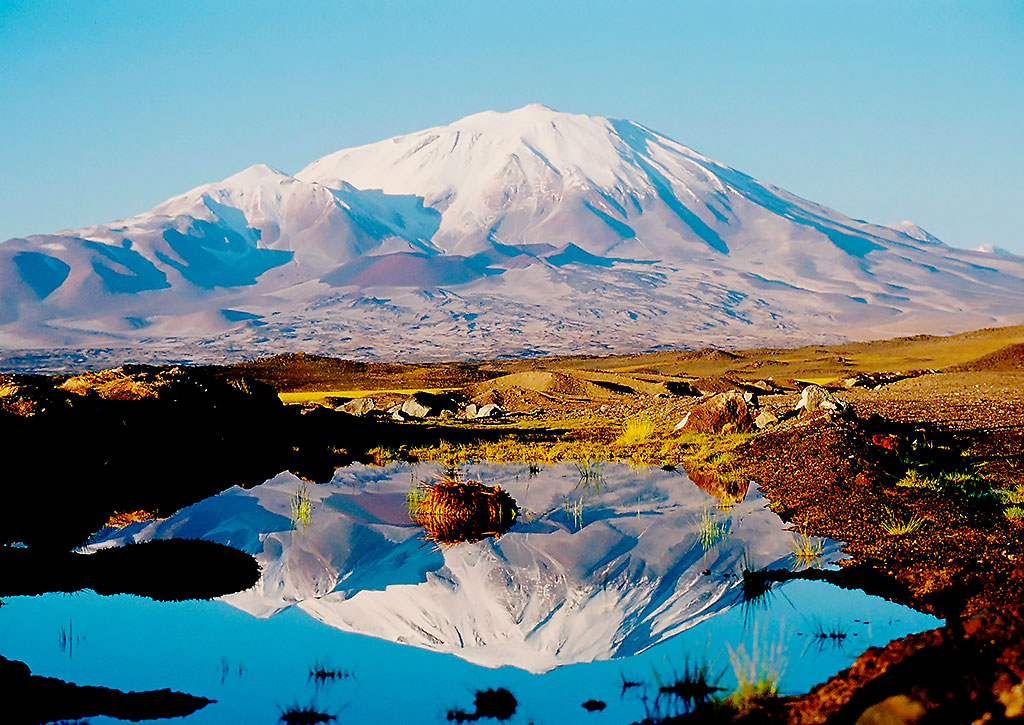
(600, 580)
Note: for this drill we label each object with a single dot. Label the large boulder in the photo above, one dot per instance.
(358, 406)
(429, 405)
(722, 413)
(491, 410)
(816, 399)
(765, 418)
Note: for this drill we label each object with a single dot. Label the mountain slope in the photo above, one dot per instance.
(525, 232)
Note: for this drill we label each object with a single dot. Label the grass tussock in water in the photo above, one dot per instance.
(807, 549)
(757, 671)
(454, 511)
(710, 531)
(301, 508)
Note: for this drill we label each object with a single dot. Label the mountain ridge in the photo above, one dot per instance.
(526, 232)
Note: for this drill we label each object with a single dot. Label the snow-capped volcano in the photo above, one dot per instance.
(502, 233)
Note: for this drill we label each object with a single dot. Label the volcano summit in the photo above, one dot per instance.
(502, 234)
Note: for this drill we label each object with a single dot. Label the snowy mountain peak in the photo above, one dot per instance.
(256, 173)
(527, 231)
(913, 231)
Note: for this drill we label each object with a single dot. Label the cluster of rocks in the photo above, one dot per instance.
(736, 411)
(422, 405)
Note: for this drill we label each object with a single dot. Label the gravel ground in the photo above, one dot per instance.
(954, 401)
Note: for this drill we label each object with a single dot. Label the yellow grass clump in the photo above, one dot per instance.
(454, 511)
(635, 431)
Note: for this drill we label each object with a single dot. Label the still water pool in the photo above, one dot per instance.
(611, 575)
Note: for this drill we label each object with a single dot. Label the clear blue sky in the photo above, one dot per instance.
(883, 110)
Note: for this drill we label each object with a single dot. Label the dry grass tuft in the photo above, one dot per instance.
(895, 526)
(636, 431)
(9, 389)
(454, 511)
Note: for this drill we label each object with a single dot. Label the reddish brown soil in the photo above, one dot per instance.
(832, 477)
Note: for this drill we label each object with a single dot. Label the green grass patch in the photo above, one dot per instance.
(758, 672)
(945, 469)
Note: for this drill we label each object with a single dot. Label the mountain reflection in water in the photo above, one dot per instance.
(595, 568)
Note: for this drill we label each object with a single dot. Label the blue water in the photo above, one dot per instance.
(256, 666)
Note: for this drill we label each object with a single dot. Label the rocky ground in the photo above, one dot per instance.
(910, 451)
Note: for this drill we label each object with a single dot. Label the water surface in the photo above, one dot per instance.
(611, 573)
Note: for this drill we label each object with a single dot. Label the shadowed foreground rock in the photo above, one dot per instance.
(30, 699)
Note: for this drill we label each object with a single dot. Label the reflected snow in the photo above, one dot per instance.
(597, 567)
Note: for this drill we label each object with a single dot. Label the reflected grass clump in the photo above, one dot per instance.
(305, 715)
(694, 685)
(499, 704)
(591, 475)
(833, 631)
(574, 512)
(321, 672)
(710, 531)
